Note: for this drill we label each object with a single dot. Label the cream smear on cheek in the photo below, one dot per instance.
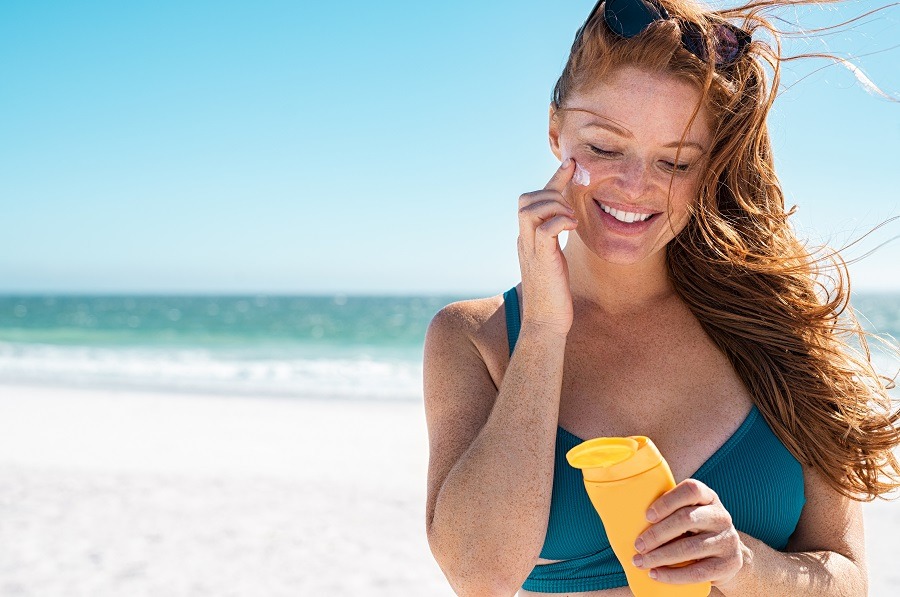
(581, 176)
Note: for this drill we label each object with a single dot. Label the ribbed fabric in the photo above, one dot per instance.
(513, 321)
(757, 479)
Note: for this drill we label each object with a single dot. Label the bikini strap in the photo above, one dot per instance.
(513, 319)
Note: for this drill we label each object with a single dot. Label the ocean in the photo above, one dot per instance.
(340, 347)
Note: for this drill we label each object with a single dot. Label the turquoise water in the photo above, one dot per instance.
(318, 346)
(351, 347)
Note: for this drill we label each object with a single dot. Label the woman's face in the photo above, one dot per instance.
(623, 133)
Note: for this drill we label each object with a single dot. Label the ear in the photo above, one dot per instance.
(554, 132)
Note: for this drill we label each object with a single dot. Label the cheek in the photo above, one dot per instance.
(685, 195)
(587, 170)
(581, 176)
(681, 207)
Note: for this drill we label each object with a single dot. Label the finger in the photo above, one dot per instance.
(562, 176)
(705, 570)
(690, 519)
(536, 214)
(541, 196)
(545, 209)
(686, 493)
(683, 550)
(546, 233)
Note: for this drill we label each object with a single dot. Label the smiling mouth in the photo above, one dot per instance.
(627, 217)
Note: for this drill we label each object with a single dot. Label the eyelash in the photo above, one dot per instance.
(606, 154)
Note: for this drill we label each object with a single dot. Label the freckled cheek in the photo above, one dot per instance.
(586, 179)
(590, 172)
(685, 194)
(680, 208)
(581, 176)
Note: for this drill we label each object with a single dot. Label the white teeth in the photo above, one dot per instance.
(625, 216)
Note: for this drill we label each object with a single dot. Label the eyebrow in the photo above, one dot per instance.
(628, 135)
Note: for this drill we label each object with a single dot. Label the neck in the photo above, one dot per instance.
(613, 288)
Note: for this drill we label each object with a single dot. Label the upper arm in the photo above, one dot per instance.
(829, 521)
(459, 393)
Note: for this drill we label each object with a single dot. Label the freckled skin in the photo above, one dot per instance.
(635, 362)
(582, 176)
(655, 109)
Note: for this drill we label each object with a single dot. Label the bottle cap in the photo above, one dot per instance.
(614, 458)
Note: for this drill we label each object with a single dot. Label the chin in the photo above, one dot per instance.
(621, 258)
(620, 253)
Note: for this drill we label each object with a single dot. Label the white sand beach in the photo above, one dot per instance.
(108, 493)
(113, 493)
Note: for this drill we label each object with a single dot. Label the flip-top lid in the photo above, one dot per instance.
(614, 458)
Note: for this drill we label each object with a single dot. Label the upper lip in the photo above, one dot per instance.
(626, 208)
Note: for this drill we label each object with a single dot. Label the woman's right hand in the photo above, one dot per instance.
(546, 297)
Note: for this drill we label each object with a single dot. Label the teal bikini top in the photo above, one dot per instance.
(757, 479)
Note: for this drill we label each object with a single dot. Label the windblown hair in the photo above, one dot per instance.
(766, 301)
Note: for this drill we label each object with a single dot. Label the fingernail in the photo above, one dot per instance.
(639, 545)
(651, 515)
(637, 561)
(567, 163)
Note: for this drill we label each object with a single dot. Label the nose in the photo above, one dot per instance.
(633, 179)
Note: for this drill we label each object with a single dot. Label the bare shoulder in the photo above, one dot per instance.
(474, 313)
(474, 325)
(460, 386)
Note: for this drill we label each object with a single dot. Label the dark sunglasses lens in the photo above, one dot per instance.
(728, 46)
(628, 18)
(692, 39)
(728, 42)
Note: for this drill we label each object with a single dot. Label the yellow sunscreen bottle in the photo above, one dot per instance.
(623, 477)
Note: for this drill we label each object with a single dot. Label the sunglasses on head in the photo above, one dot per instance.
(627, 18)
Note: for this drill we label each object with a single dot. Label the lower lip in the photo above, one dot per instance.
(624, 227)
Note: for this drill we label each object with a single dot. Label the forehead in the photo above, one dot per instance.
(652, 107)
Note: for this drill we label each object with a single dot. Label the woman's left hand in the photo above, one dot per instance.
(691, 508)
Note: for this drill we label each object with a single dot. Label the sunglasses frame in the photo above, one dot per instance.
(628, 18)
(693, 41)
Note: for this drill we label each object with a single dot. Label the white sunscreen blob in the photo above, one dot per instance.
(581, 176)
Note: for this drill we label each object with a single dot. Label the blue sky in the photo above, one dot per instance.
(353, 147)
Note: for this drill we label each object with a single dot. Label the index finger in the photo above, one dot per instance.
(689, 492)
(561, 177)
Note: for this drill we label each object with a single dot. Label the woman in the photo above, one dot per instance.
(682, 308)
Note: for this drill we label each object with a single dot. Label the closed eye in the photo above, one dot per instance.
(668, 165)
(603, 152)
(677, 167)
